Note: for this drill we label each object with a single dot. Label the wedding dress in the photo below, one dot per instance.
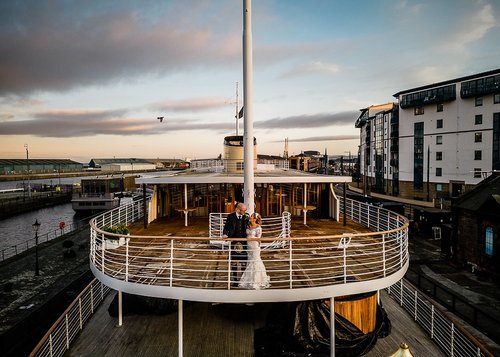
(254, 276)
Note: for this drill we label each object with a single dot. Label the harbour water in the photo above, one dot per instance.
(18, 229)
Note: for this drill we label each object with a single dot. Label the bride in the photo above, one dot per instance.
(254, 276)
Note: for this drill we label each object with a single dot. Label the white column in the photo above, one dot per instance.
(248, 147)
(120, 309)
(332, 327)
(181, 322)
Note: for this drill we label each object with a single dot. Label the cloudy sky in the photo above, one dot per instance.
(85, 79)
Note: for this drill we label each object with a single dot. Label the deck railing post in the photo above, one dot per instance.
(332, 327)
(344, 243)
(80, 312)
(416, 305)
(452, 340)
(290, 257)
(92, 299)
(67, 331)
(171, 261)
(103, 244)
(383, 254)
(401, 293)
(51, 348)
(126, 258)
(432, 322)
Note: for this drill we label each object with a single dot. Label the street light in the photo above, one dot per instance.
(28, 165)
(36, 226)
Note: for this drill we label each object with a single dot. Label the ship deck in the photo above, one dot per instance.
(218, 330)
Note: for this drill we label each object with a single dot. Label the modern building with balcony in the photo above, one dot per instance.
(439, 142)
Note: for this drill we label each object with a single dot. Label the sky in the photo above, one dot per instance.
(88, 79)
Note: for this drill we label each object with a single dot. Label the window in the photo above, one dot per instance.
(439, 171)
(477, 154)
(439, 123)
(439, 140)
(439, 187)
(488, 241)
(479, 119)
(477, 172)
(439, 155)
(496, 98)
(479, 101)
(439, 107)
(478, 137)
(418, 110)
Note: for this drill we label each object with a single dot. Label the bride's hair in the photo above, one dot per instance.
(258, 218)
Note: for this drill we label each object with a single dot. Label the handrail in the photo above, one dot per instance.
(449, 336)
(277, 228)
(192, 262)
(58, 338)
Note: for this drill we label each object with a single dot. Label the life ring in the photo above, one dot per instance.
(62, 225)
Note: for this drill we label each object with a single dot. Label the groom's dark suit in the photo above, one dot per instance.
(235, 227)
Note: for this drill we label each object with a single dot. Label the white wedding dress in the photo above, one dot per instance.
(254, 276)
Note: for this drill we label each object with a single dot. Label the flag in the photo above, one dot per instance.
(240, 114)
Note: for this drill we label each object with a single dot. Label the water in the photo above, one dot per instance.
(18, 229)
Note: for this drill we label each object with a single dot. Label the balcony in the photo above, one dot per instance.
(309, 263)
(482, 86)
(430, 96)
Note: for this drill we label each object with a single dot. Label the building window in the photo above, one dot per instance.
(439, 123)
(479, 119)
(439, 107)
(439, 140)
(439, 155)
(496, 98)
(418, 110)
(496, 142)
(488, 241)
(439, 171)
(477, 154)
(439, 187)
(479, 101)
(478, 137)
(477, 172)
(418, 156)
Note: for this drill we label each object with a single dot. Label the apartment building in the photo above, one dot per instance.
(444, 139)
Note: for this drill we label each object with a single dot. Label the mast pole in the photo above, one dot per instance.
(248, 138)
(237, 113)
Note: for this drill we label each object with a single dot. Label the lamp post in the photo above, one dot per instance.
(28, 166)
(36, 226)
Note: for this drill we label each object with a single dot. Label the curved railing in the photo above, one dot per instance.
(305, 268)
(276, 228)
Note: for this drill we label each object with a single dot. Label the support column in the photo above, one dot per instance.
(332, 327)
(305, 203)
(120, 309)
(181, 323)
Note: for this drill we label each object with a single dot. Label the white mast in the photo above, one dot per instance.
(248, 145)
(237, 113)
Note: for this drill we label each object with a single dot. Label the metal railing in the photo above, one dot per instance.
(16, 249)
(193, 262)
(485, 322)
(272, 227)
(450, 337)
(59, 337)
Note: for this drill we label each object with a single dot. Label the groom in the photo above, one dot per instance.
(235, 227)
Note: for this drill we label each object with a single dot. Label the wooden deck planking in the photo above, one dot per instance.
(218, 330)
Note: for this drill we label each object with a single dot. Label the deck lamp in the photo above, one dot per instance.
(36, 226)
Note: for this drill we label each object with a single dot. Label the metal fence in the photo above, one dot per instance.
(481, 320)
(450, 337)
(16, 249)
(58, 339)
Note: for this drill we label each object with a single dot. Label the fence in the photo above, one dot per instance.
(58, 339)
(14, 250)
(486, 323)
(452, 339)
